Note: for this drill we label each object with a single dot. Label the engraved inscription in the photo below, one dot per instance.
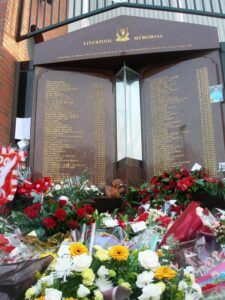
(168, 130)
(208, 139)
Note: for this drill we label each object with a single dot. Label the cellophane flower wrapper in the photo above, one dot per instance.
(202, 254)
(17, 277)
(188, 225)
(146, 239)
(214, 275)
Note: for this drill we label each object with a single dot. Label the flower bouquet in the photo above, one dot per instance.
(140, 274)
(176, 184)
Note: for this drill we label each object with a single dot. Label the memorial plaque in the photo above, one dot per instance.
(182, 126)
(74, 126)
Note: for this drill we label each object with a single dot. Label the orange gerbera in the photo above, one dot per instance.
(165, 272)
(119, 252)
(77, 249)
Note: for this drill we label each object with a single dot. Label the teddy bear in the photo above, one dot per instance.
(116, 190)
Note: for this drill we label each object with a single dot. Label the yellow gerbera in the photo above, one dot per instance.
(77, 249)
(70, 298)
(119, 252)
(40, 298)
(159, 252)
(165, 272)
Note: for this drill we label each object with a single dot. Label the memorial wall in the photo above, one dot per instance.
(74, 120)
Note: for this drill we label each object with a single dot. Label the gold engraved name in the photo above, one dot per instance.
(148, 37)
(97, 42)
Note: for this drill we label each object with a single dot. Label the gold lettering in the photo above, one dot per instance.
(97, 42)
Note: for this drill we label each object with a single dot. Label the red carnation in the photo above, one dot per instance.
(31, 213)
(73, 224)
(81, 212)
(60, 214)
(49, 222)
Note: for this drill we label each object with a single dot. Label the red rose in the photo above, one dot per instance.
(91, 221)
(172, 184)
(177, 175)
(121, 224)
(185, 172)
(62, 203)
(145, 199)
(143, 217)
(166, 187)
(73, 224)
(37, 206)
(49, 222)
(164, 174)
(185, 183)
(60, 214)
(21, 191)
(220, 184)
(154, 180)
(81, 212)
(31, 213)
(164, 220)
(156, 191)
(89, 209)
(167, 198)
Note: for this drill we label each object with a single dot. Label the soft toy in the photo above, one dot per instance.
(116, 190)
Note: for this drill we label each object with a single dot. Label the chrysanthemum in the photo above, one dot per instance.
(119, 252)
(77, 249)
(165, 272)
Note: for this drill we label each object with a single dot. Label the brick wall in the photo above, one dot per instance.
(10, 53)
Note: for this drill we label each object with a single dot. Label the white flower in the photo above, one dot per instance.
(150, 291)
(148, 260)
(182, 286)
(47, 280)
(81, 262)
(82, 291)
(144, 279)
(103, 284)
(190, 295)
(109, 222)
(57, 187)
(53, 294)
(103, 271)
(63, 268)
